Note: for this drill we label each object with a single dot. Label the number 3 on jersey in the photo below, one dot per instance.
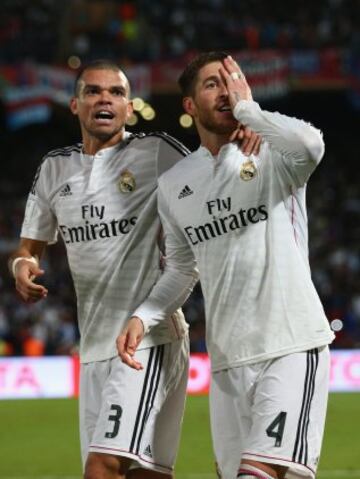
(115, 418)
(276, 428)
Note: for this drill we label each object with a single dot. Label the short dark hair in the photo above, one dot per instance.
(100, 64)
(188, 77)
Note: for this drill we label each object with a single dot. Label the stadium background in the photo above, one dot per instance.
(303, 61)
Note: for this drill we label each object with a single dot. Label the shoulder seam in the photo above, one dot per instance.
(166, 137)
(65, 151)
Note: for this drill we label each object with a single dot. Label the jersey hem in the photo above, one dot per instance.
(273, 355)
(146, 463)
(85, 359)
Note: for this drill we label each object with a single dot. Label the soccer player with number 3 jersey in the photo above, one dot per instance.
(101, 196)
(243, 220)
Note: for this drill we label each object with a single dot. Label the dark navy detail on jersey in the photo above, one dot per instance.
(300, 454)
(168, 138)
(96, 231)
(65, 151)
(36, 178)
(186, 191)
(66, 191)
(227, 224)
(151, 384)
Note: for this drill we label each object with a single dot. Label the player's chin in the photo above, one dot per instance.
(105, 133)
(226, 128)
(227, 122)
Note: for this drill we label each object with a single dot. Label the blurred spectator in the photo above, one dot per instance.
(49, 31)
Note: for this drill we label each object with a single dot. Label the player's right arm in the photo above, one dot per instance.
(24, 266)
(39, 228)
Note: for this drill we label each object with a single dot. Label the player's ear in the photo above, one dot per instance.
(73, 105)
(129, 109)
(189, 105)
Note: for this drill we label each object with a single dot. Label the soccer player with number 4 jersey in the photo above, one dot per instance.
(243, 220)
(101, 196)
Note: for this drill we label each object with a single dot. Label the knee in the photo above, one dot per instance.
(249, 469)
(100, 466)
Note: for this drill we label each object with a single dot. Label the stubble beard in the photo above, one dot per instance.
(216, 127)
(102, 135)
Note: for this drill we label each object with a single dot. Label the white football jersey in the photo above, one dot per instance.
(243, 219)
(105, 208)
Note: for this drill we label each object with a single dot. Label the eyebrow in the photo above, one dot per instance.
(122, 89)
(211, 77)
(112, 87)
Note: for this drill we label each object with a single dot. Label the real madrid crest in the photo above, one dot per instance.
(127, 183)
(248, 170)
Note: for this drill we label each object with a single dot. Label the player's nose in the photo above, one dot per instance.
(105, 96)
(223, 90)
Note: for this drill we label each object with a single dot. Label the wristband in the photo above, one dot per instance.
(32, 259)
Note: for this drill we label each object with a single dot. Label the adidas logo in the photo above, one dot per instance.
(66, 191)
(147, 451)
(186, 191)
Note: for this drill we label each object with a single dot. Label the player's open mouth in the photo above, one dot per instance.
(224, 108)
(104, 115)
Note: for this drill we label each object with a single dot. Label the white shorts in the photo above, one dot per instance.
(136, 414)
(272, 412)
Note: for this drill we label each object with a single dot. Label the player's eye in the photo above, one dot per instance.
(118, 91)
(211, 84)
(91, 90)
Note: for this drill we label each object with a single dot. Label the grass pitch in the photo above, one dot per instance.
(39, 440)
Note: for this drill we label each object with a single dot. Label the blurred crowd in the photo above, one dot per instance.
(50, 31)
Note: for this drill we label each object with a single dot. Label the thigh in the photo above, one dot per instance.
(134, 404)
(230, 416)
(93, 376)
(160, 439)
(288, 413)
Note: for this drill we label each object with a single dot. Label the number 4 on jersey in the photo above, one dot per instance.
(276, 428)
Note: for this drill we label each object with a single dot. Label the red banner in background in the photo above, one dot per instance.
(199, 374)
(270, 73)
(46, 377)
(266, 71)
(326, 69)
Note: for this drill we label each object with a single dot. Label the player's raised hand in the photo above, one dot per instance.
(237, 86)
(248, 140)
(25, 273)
(128, 341)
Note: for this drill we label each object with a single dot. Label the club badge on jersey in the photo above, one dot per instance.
(248, 170)
(127, 183)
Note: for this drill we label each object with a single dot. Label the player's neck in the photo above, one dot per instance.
(213, 142)
(92, 145)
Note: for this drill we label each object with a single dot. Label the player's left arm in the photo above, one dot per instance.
(299, 143)
(248, 140)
